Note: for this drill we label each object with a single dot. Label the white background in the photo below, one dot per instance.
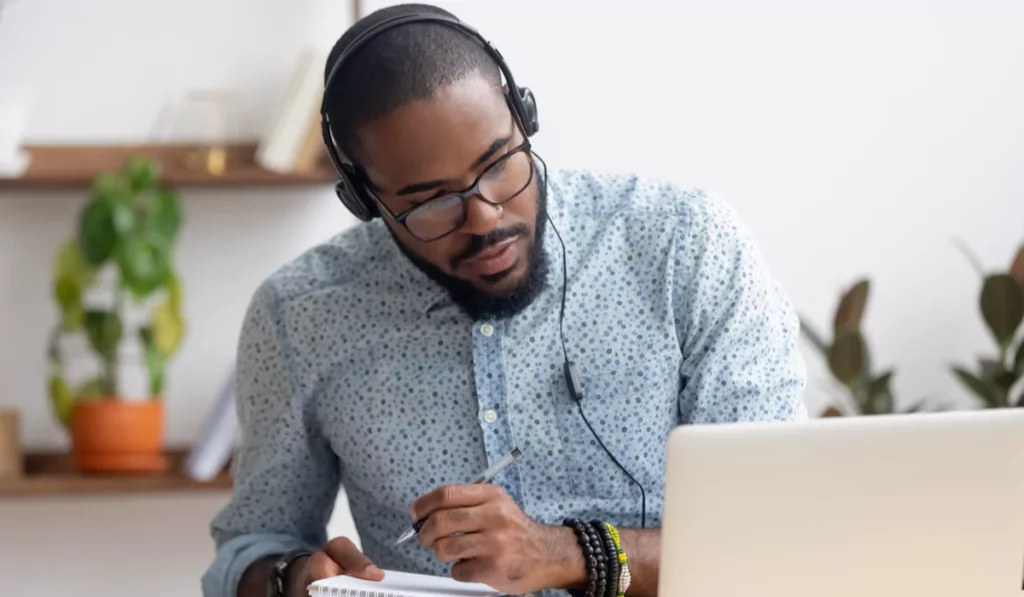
(854, 139)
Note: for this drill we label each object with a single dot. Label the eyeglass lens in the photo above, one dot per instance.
(502, 181)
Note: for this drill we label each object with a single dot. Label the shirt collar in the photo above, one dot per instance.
(422, 291)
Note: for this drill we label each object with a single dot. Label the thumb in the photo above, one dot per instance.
(352, 561)
(321, 566)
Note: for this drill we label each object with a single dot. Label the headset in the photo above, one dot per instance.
(354, 196)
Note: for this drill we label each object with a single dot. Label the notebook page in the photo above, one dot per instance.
(404, 584)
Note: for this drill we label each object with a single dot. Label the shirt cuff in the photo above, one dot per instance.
(236, 555)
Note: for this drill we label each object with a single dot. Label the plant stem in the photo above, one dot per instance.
(110, 364)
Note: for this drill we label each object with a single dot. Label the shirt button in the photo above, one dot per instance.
(490, 416)
(487, 329)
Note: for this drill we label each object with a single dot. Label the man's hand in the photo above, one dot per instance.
(340, 556)
(491, 541)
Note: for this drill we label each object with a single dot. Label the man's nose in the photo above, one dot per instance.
(481, 217)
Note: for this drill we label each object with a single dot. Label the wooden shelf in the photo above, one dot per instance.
(74, 166)
(53, 473)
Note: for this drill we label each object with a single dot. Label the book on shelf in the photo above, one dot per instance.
(292, 142)
(217, 440)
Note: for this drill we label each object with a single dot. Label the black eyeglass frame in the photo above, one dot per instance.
(465, 194)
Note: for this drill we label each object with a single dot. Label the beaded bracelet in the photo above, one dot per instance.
(604, 579)
(589, 556)
(624, 576)
(606, 561)
(612, 557)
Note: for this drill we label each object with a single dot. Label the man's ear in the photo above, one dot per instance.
(505, 87)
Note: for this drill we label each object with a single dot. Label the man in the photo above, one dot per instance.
(410, 352)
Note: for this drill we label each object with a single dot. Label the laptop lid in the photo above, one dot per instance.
(922, 505)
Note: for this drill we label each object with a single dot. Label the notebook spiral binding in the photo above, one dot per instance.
(343, 592)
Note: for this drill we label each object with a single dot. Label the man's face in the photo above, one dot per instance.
(436, 146)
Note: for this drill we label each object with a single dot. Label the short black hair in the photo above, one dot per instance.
(406, 63)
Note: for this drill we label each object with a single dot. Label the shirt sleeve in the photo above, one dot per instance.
(287, 476)
(738, 329)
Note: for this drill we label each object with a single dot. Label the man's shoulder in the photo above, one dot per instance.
(338, 264)
(603, 195)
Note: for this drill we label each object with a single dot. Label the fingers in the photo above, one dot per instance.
(454, 496)
(471, 570)
(461, 547)
(320, 566)
(448, 522)
(352, 561)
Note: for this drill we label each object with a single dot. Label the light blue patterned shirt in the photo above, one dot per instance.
(356, 370)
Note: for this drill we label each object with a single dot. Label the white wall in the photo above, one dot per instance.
(902, 121)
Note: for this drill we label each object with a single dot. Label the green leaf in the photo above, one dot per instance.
(813, 336)
(1002, 306)
(145, 262)
(71, 264)
(983, 389)
(168, 329)
(970, 256)
(851, 308)
(142, 172)
(884, 404)
(916, 407)
(988, 368)
(124, 218)
(1018, 361)
(163, 214)
(92, 389)
(174, 293)
(1003, 381)
(1017, 267)
(104, 331)
(72, 275)
(846, 357)
(62, 402)
(110, 188)
(879, 393)
(69, 298)
(97, 236)
(155, 362)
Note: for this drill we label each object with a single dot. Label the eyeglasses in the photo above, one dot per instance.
(502, 181)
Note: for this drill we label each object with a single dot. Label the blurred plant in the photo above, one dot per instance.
(1002, 308)
(849, 358)
(130, 224)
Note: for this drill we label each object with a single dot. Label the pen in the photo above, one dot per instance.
(484, 477)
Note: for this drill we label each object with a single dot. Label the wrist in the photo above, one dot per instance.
(294, 577)
(567, 569)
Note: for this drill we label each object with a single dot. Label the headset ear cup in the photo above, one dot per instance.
(353, 200)
(529, 104)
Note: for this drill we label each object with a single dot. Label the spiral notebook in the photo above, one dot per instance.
(399, 584)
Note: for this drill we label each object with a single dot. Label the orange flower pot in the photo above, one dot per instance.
(118, 436)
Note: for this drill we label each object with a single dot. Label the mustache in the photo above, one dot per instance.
(479, 243)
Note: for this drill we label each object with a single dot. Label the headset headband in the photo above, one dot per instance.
(399, 20)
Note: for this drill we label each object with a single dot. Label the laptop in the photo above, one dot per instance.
(920, 505)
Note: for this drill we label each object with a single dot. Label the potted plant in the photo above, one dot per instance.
(127, 228)
(849, 358)
(1002, 308)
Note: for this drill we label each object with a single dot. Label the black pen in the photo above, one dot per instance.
(484, 477)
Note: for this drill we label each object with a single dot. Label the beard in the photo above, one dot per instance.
(484, 305)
